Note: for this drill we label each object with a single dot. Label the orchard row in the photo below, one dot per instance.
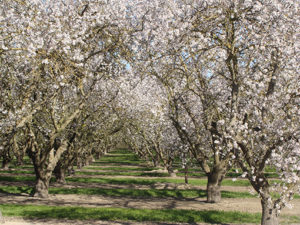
(215, 83)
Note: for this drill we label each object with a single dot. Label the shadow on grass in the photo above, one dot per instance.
(17, 178)
(125, 214)
(125, 173)
(111, 181)
(133, 193)
(16, 191)
(16, 171)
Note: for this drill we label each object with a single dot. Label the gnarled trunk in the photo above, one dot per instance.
(41, 188)
(44, 168)
(269, 214)
(213, 190)
(60, 174)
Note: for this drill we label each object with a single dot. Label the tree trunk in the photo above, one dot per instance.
(60, 174)
(269, 214)
(44, 169)
(98, 155)
(213, 188)
(186, 178)
(41, 188)
(20, 157)
(5, 164)
(171, 171)
(79, 165)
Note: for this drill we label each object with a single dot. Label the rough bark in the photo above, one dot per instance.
(44, 169)
(269, 214)
(20, 156)
(41, 188)
(60, 174)
(213, 188)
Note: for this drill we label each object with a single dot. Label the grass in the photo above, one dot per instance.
(138, 181)
(121, 173)
(123, 169)
(147, 193)
(124, 158)
(152, 181)
(17, 171)
(140, 215)
(121, 151)
(140, 193)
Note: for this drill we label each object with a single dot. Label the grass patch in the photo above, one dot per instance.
(119, 173)
(29, 166)
(123, 169)
(140, 215)
(121, 151)
(119, 163)
(17, 178)
(120, 158)
(17, 171)
(152, 181)
(290, 219)
(147, 193)
(139, 181)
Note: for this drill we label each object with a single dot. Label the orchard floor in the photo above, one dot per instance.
(250, 205)
(18, 221)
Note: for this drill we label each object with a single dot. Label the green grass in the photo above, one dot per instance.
(140, 215)
(121, 151)
(17, 171)
(141, 193)
(120, 158)
(123, 169)
(152, 181)
(147, 193)
(121, 173)
(16, 178)
(139, 181)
